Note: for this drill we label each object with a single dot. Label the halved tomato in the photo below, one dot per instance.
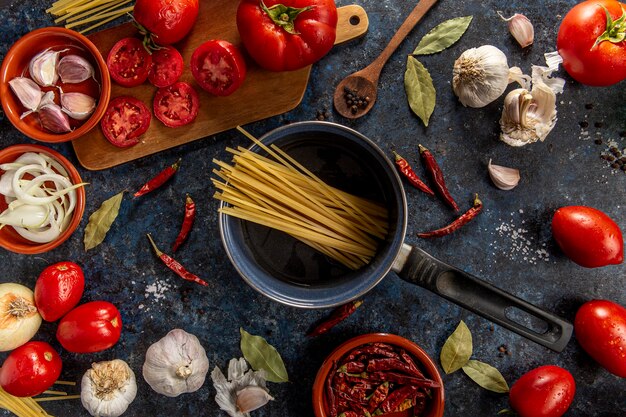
(129, 62)
(167, 67)
(176, 105)
(218, 67)
(125, 120)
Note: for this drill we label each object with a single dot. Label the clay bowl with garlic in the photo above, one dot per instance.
(16, 64)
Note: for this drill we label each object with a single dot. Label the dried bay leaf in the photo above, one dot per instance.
(457, 350)
(262, 355)
(486, 376)
(101, 220)
(443, 36)
(420, 90)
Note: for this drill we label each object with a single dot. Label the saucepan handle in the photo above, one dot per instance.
(484, 299)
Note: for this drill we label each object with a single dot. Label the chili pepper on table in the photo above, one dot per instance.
(407, 171)
(436, 174)
(159, 179)
(175, 266)
(378, 396)
(339, 314)
(190, 216)
(458, 223)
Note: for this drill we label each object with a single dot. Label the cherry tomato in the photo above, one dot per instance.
(30, 369)
(176, 105)
(600, 328)
(58, 289)
(167, 67)
(586, 56)
(90, 327)
(129, 62)
(166, 21)
(285, 35)
(218, 67)
(125, 120)
(546, 391)
(588, 236)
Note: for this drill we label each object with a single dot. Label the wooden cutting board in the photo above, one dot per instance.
(262, 95)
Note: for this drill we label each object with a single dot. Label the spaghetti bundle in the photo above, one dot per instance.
(280, 193)
(93, 12)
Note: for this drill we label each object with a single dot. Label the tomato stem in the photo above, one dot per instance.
(284, 16)
(615, 29)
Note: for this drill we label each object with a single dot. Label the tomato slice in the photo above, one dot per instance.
(218, 67)
(129, 62)
(167, 67)
(176, 105)
(125, 120)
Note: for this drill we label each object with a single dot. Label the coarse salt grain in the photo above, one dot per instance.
(519, 245)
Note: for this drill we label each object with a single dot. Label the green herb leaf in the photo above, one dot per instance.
(420, 90)
(457, 350)
(101, 220)
(262, 355)
(443, 36)
(486, 376)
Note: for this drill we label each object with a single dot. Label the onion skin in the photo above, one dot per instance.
(19, 318)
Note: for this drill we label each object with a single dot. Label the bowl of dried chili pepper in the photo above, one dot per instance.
(378, 374)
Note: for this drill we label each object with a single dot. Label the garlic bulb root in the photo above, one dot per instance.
(108, 388)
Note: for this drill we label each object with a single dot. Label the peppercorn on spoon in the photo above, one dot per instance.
(356, 94)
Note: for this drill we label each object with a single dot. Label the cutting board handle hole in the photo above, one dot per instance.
(355, 20)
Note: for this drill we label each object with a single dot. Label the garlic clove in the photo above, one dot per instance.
(74, 69)
(27, 92)
(252, 398)
(503, 177)
(78, 106)
(43, 67)
(521, 28)
(52, 118)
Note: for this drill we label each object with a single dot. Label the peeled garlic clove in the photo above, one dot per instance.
(27, 92)
(78, 106)
(43, 67)
(251, 398)
(74, 69)
(53, 119)
(528, 117)
(521, 28)
(503, 177)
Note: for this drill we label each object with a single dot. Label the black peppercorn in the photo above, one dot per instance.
(584, 124)
(598, 141)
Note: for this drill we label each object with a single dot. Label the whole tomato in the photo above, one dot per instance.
(58, 289)
(285, 35)
(166, 21)
(90, 327)
(593, 47)
(600, 327)
(546, 391)
(30, 369)
(588, 236)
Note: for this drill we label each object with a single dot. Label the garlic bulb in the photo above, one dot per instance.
(19, 318)
(243, 391)
(503, 177)
(108, 388)
(521, 28)
(176, 364)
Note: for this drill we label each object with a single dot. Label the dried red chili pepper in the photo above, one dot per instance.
(389, 364)
(411, 363)
(371, 350)
(330, 395)
(396, 398)
(159, 179)
(349, 414)
(190, 216)
(458, 223)
(436, 174)
(339, 314)
(352, 367)
(407, 171)
(378, 396)
(176, 266)
(419, 404)
(401, 379)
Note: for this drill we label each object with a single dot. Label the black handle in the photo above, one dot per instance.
(484, 299)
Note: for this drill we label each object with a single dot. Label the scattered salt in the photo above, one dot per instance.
(517, 244)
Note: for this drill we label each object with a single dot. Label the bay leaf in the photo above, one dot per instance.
(486, 376)
(420, 90)
(262, 355)
(443, 36)
(457, 350)
(101, 220)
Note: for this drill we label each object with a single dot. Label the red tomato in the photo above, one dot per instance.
(30, 369)
(287, 38)
(167, 67)
(166, 21)
(176, 105)
(588, 236)
(90, 327)
(129, 62)
(125, 120)
(585, 24)
(600, 328)
(546, 391)
(218, 67)
(58, 290)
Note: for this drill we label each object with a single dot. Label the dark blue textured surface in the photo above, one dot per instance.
(509, 245)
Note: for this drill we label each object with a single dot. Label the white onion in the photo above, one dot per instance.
(19, 318)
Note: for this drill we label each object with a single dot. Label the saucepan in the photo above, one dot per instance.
(288, 271)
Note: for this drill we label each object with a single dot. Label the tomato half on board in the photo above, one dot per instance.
(218, 67)
(129, 62)
(167, 67)
(125, 120)
(176, 105)
(30, 369)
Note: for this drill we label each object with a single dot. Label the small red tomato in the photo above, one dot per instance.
(58, 290)
(125, 119)
(600, 328)
(588, 236)
(546, 391)
(176, 105)
(90, 327)
(166, 21)
(129, 62)
(218, 67)
(167, 67)
(30, 369)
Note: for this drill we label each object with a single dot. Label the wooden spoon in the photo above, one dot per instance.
(364, 83)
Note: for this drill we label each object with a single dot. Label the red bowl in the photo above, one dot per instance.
(436, 403)
(9, 238)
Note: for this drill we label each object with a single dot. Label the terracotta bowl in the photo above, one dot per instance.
(9, 238)
(16, 64)
(435, 404)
